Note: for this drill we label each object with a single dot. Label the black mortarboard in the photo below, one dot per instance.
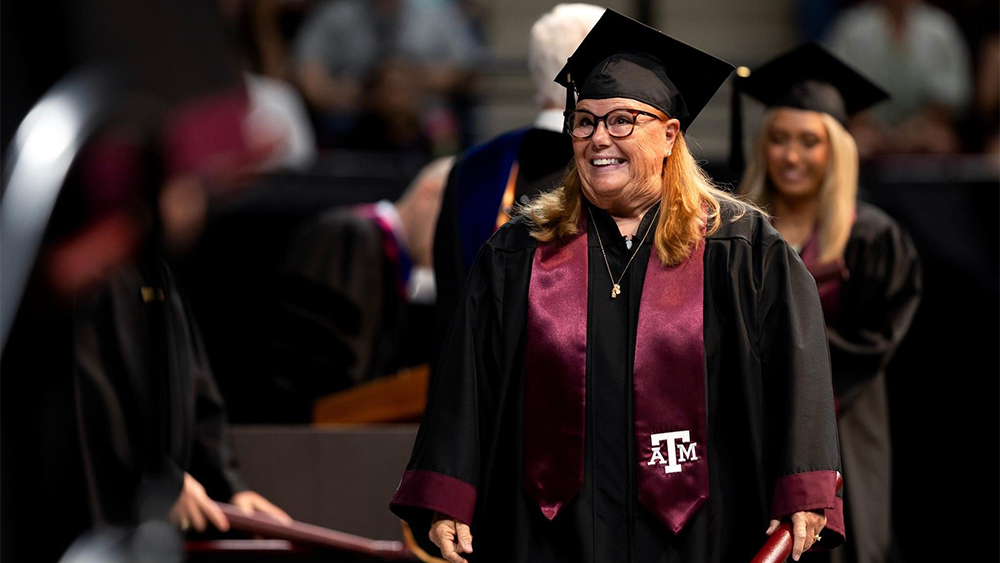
(807, 77)
(622, 58)
(810, 77)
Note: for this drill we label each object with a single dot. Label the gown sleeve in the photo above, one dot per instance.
(444, 471)
(213, 462)
(803, 447)
(878, 304)
(449, 270)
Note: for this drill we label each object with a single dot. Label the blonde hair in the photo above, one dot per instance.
(837, 194)
(689, 207)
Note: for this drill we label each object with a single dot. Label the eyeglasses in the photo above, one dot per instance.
(619, 122)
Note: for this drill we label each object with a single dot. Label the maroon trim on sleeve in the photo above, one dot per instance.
(814, 490)
(436, 492)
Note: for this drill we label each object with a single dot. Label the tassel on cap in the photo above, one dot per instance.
(737, 160)
(570, 102)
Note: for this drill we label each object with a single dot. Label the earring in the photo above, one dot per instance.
(670, 153)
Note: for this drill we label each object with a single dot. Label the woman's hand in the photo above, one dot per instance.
(805, 527)
(250, 502)
(452, 536)
(194, 508)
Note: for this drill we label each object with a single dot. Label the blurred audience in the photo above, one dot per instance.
(981, 128)
(277, 111)
(390, 114)
(342, 43)
(918, 53)
(988, 95)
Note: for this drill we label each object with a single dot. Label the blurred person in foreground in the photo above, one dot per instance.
(638, 370)
(488, 181)
(118, 419)
(804, 171)
(919, 54)
(355, 292)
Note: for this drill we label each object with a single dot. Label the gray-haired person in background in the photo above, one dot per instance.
(488, 179)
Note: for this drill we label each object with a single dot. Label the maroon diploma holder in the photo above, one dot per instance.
(295, 538)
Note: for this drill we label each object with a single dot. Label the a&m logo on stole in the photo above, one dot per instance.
(679, 449)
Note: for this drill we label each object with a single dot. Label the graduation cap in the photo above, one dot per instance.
(808, 77)
(812, 78)
(622, 58)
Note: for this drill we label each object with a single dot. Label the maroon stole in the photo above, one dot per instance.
(668, 384)
(828, 276)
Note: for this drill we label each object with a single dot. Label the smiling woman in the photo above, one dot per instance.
(633, 352)
(806, 166)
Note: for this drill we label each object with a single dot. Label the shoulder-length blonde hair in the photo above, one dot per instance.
(837, 194)
(689, 207)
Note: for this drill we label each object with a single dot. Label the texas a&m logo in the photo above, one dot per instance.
(679, 449)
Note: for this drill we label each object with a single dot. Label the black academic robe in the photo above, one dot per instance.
(770, 412)
(343, 317)
(875, 306)
(127, 406)
(541, 156)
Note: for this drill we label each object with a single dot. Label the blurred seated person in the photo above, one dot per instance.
(355, 292)
(277, 108)
(488, 181)
(918, 53)
(342, 42)
(391, 119)
(986, 117)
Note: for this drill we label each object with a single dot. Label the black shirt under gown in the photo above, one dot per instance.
(767, 372)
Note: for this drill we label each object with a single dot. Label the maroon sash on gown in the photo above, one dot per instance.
(668, 383)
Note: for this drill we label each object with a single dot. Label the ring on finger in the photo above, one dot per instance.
(185, 524)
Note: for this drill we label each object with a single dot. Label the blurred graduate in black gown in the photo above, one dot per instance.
(804, 170)
(110, 417)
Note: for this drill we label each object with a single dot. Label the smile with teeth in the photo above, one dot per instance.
(606, 161)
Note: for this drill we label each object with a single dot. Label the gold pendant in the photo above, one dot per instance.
(616, 291)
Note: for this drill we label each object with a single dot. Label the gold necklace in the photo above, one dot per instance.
(616, 289)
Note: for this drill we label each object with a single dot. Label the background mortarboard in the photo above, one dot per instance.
(808, 77)
(784, 82)
(659, 70)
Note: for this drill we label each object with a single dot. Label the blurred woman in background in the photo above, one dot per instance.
(804, 170)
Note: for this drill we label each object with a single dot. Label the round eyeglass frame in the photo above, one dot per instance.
(599, 118)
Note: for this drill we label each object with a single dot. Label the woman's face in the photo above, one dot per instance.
(623, 174)
(797, 151)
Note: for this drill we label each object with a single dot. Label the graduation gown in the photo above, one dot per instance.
(343, 317)
(769, 406)
(128, 405)
(874, 305)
